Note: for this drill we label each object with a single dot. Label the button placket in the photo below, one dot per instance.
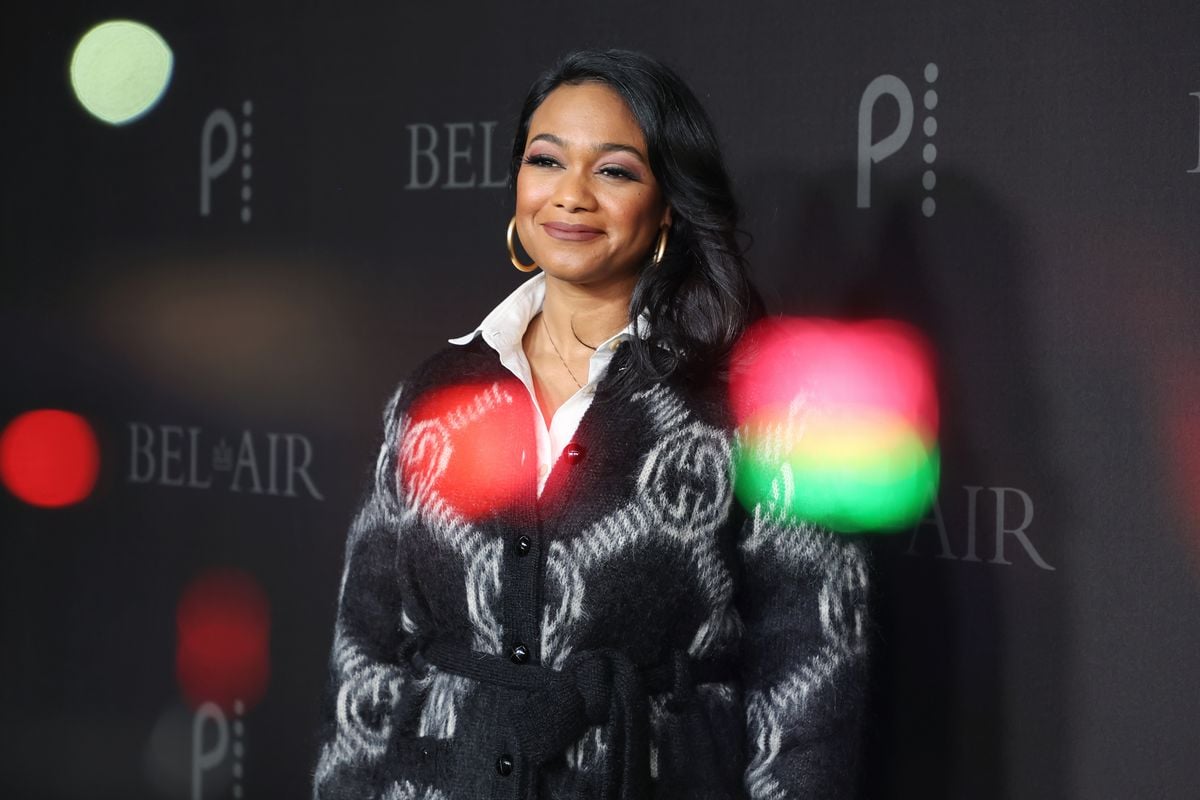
(518, 530)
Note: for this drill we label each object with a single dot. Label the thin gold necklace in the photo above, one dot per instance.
(559, 354)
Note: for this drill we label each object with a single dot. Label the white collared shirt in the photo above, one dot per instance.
(503, 329)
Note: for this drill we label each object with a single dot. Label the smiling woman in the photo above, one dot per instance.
(550, 592)
(589, 210)
(588, 206)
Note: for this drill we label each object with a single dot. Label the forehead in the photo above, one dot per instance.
(587, 114)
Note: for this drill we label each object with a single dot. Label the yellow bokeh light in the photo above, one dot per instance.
(119, 70)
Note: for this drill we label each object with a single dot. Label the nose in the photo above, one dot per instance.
(573, 192)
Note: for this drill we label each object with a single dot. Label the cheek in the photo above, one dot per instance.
(641, 214)
(532, 193)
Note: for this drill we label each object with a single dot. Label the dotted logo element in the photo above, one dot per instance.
(247, 151)
(221, 141)
(876, 146)
(239, 747)
(929, 152)
(219, 750)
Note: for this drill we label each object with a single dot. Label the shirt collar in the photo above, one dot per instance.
(505, 326)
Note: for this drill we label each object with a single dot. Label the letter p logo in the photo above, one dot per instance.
(871, 151)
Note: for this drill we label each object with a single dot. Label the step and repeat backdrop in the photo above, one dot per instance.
(229, 230)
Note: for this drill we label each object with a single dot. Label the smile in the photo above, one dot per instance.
(571, 233)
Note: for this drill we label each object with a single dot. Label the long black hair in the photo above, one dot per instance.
(699, 299)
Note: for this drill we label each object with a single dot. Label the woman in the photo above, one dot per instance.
(550, 592)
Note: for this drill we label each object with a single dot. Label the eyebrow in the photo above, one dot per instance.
(606, 147)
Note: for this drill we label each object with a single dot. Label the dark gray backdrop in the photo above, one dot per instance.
(1037, 637)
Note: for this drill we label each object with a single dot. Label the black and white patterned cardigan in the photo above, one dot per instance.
(631, 633)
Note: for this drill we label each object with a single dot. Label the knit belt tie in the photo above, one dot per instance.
(594, 687)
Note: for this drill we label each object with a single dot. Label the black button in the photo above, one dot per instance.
(523, 545)
(574, 453)
(519, 653)
(504, 765)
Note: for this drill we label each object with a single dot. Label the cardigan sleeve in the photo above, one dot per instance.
(804, 673)
(368, 679)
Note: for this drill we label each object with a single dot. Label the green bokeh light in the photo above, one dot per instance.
(119, 70)
(882, 492)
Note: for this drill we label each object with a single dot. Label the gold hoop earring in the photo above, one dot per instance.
(512, 253)
(661, 247)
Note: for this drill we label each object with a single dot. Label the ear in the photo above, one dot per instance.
(666, 217)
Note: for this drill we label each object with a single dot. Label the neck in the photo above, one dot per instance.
(580, 318)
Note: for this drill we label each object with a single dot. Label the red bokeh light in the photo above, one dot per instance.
(222, 654)
(49, 458)
(880, 365)
(471, 446)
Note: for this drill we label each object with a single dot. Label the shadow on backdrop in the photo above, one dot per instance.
(971, 646)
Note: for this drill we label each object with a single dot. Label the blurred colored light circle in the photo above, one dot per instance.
(470, 446)
(49, 458)
(119, 70)
(222, 652)
(837, 423)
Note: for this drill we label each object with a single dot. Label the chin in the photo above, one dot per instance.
(567, 267)
(573, 275)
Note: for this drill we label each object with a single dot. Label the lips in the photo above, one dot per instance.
(571, 233)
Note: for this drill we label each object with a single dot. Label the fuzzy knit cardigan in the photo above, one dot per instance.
(630, 633)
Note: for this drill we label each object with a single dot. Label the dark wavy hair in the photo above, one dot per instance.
(699, 299)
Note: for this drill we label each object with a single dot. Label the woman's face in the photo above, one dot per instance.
(588, 206)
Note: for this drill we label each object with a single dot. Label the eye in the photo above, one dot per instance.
(540, 160)
(615, 171)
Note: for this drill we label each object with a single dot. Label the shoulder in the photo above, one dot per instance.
(703, 392)
(452, 365)
(456, 364)
(708, 400)
(459, 365)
